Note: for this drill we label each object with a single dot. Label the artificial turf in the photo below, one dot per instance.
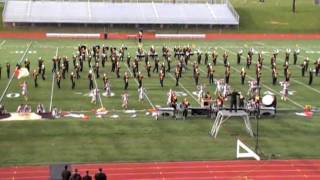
(142, 138)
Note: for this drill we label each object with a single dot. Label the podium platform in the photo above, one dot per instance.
(224, 115)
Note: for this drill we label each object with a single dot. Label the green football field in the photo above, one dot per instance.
(142, 138)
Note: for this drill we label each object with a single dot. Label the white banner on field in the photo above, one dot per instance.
(180, 36)
(73, 35)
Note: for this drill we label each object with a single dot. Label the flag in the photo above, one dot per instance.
(22, 72)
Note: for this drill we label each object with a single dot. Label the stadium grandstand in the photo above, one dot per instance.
(128, 12)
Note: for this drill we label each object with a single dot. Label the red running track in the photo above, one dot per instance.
(204, 170)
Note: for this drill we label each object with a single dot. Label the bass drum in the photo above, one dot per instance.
(268, 100)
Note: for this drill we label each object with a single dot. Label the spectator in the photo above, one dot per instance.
(66, 174)
(100, 175)
(87, 176)
(75, 175)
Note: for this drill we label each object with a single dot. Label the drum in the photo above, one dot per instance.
(268, 100)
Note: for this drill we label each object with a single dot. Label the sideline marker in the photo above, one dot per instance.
(248, 154)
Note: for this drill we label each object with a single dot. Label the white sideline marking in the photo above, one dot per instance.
(269, 88)
(138, 84)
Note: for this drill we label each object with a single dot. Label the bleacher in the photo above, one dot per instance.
(181, 12)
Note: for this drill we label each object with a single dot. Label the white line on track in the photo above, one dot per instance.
(267, 87)
(138, 84)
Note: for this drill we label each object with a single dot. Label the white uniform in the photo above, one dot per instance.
(125, 100)
(141, 92)
(108, 89)
(24, 89)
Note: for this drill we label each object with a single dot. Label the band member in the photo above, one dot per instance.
(303, 68)
(148, 67)
(163, 68)
(43, 71)
(220, 101)
(66, 63)
(141, 94)
(243, 74)
(96, 69)
(185, 105)
(0, 70)
(63, 68)
(287, 56)
(128, 60)
(225, 58)
(8, 70)
(118, 69)
(196, 76)
(73, 82)
(310, 76)
(199, 56)
(260, 59)
(287, 78)
(140, 77)
(233, 100)
(90, 78)
(295, 56)
(211, 72)
(125, 100)
(214, 57)
(54, 64)
(285, 90)
(227, 74)
(206, 57)
(77, 69)
(174, 101)
(168, 64)
(241, 101)
(140, 35)
(274, 76)
(126, 80)
(317, 66)
(27, 64)
(35, 77)
(156, 65)
(161, 76)
(40, 62)
(58, 78)
(89, 60)
(95, 95)
(24, 90)
(258, 76)
(285, 68)
(239, 54)
(177, 75)
(58, 61)
(107, 87)
(74, 60)
(105, 79)
(81, 59)
(307, 63)
(249, 61)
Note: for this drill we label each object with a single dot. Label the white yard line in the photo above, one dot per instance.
(267, 87)
(138, 84)
(2, 43)
(52, 85)
(12, 76)
(181, 85)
